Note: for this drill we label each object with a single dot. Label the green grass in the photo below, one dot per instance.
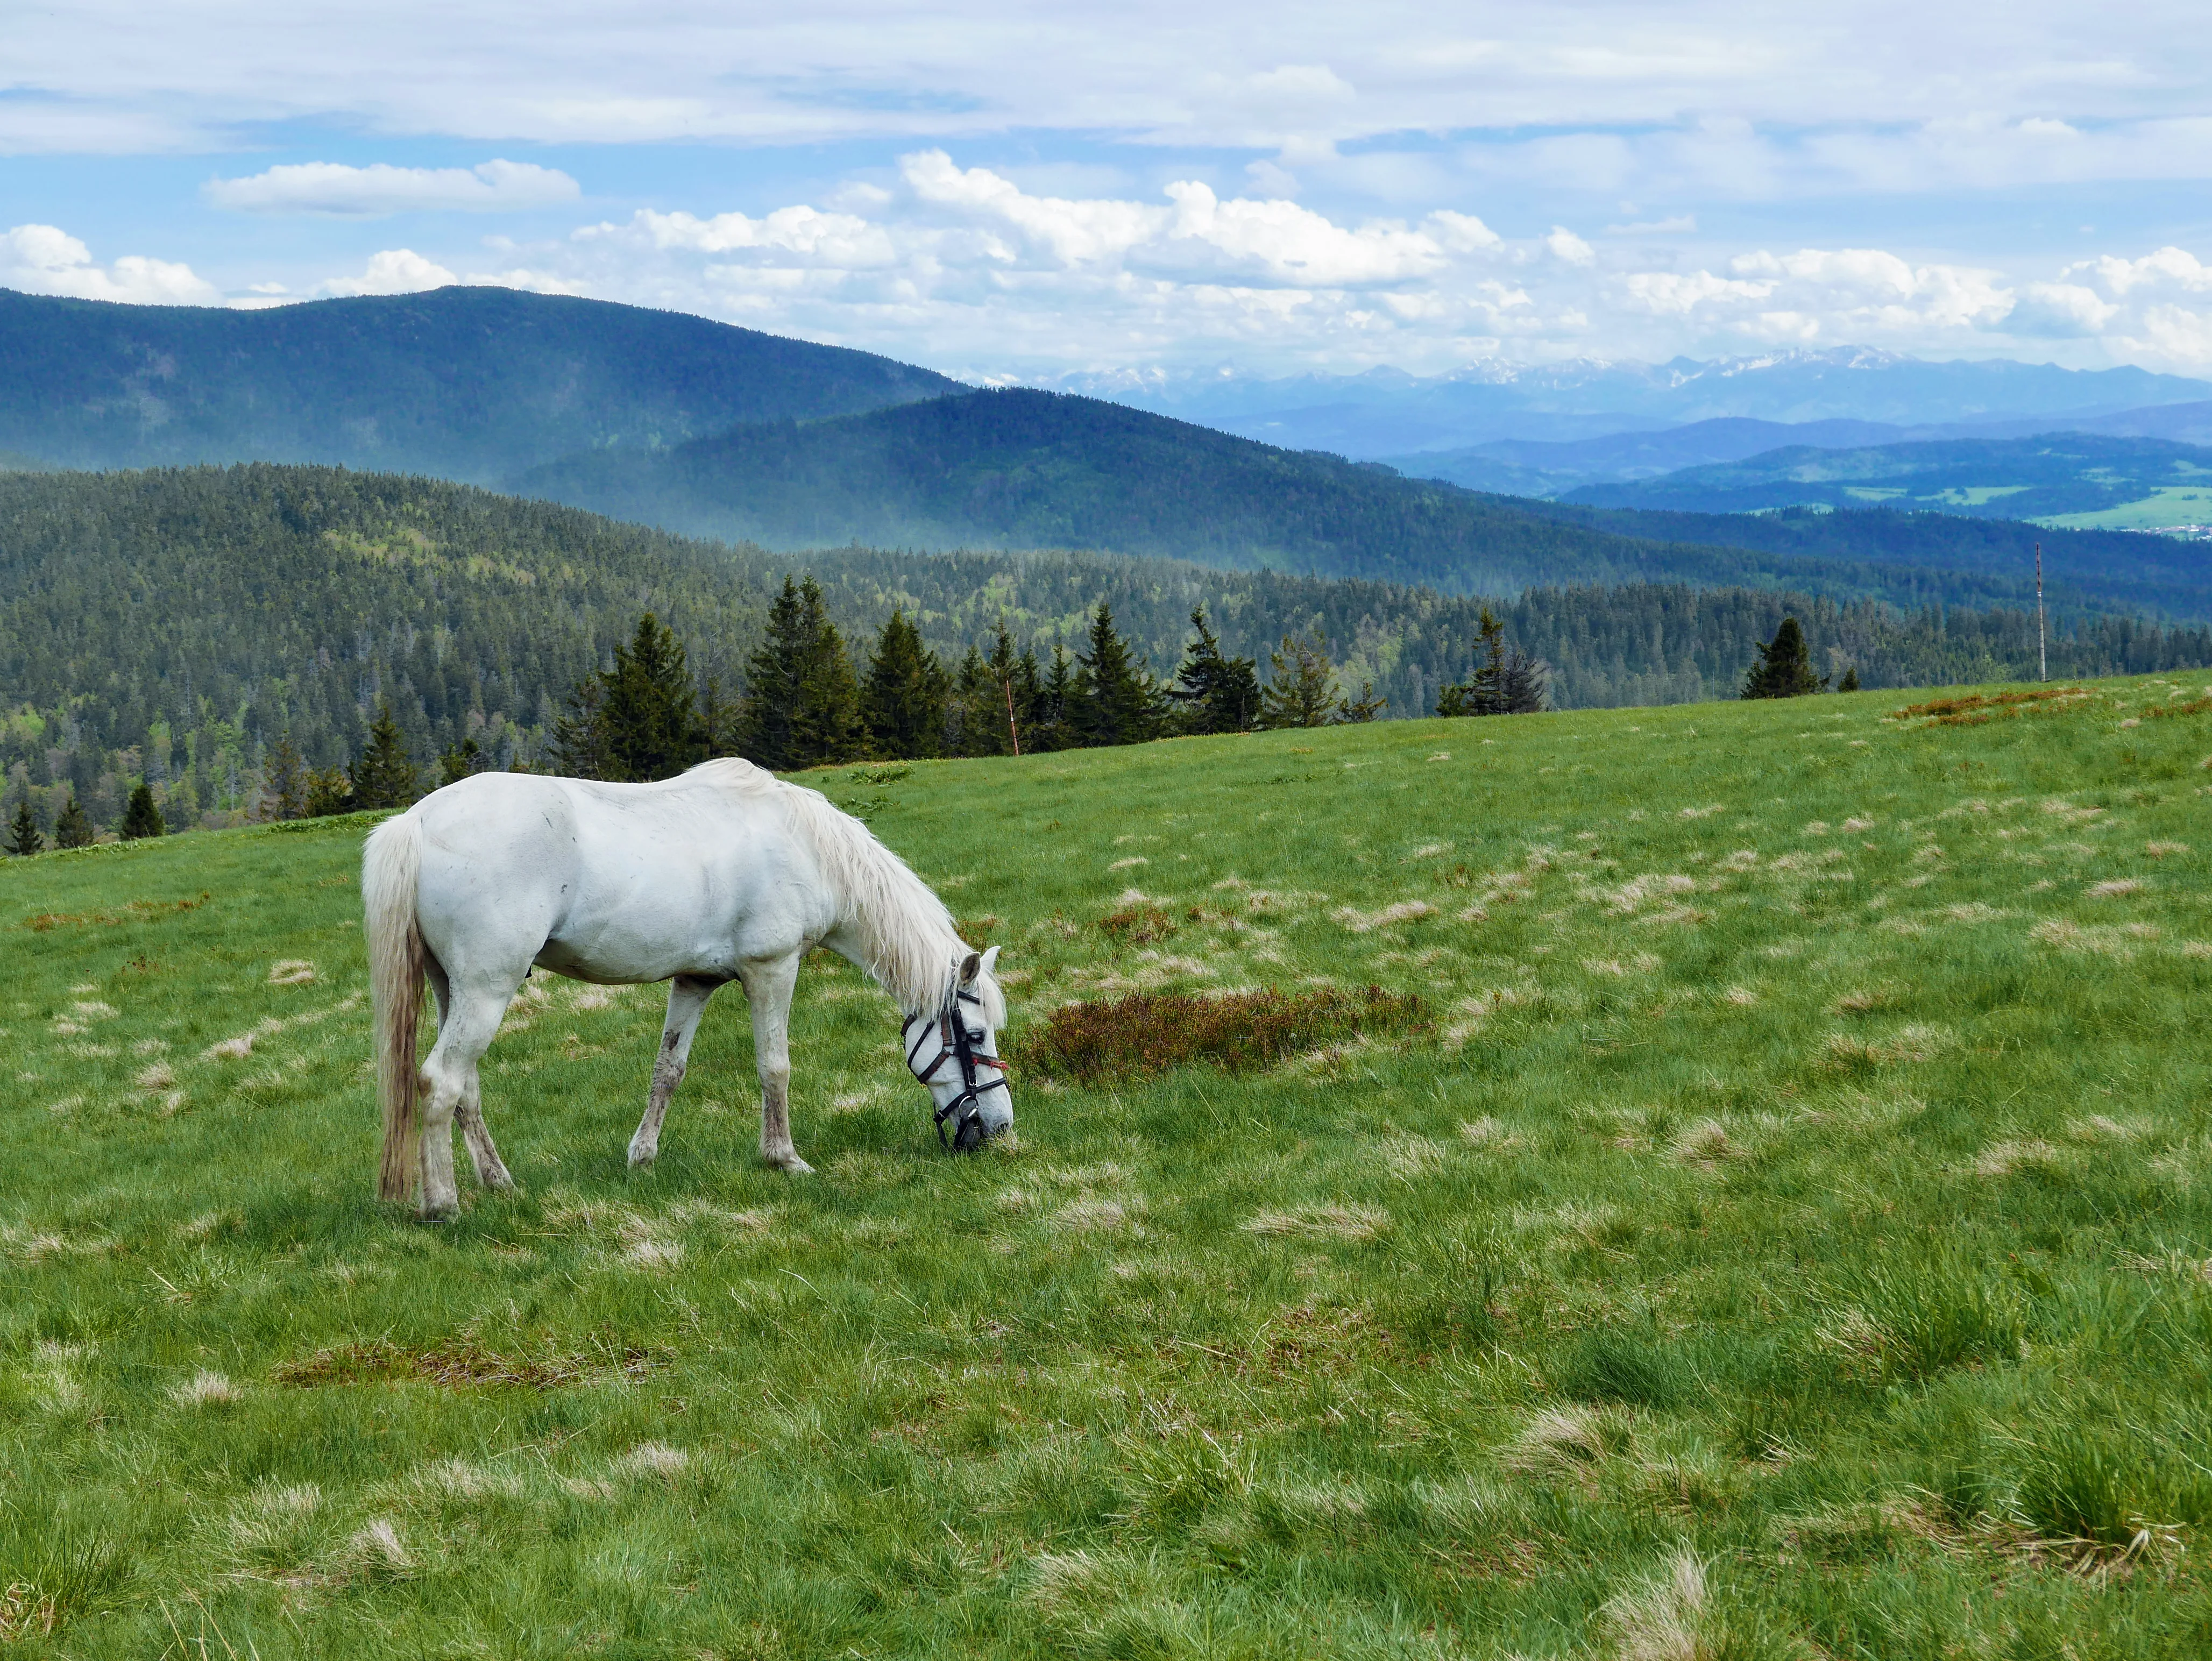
(1788, 1238)
(2169, 505)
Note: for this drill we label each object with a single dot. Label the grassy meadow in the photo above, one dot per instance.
(1786, 1233)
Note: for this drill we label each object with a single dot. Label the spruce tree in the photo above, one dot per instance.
(283, 780)
(978, 723)
(329, 791)
(141, 818)
(649, 707)
(73, 828)
(1217, 693)
(1850, 681)
(773, 673)
(1784, 669)
(718, 720)
(582, 746)
(23, 838)
(1302, 689)
(459, 762)
(1053, 723)
(1522, 687)
(1116, 702)
(383, 777)
(826, 720)
(1365, 707)
(1482, 692)
(1005, 669)
(903, 702)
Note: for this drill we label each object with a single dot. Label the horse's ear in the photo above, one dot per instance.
(968, 969)
(991, 960)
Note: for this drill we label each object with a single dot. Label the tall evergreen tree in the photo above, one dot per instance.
(978, 725)
(329, 791)
(141, 818)
(283, 780)
(23, 838)
(826, 721)
(1784, 669)
(773, 673)
(650, 707)
(1482, 692)
(581, 745)
(1034, 703)
(73, 829)
(1217, 693)
(384, 776)
(1522, 687)
(458, 761)
(1302, 687)
(1005, 670)
(903, 701)
(1365, 707)
(718, 720)
(1114, 701)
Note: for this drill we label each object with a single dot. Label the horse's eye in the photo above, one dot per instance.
(977, 1038)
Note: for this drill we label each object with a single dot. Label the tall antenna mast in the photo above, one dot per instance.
(2042, 651)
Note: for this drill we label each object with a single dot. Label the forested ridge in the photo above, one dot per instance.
(171, 625)
(468, 382)
(1022, 469)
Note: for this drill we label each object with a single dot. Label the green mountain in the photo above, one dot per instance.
(170, 624)
(2069, 479)
(460, 383)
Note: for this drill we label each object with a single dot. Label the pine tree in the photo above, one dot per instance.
(1365, 707)
(826, 720)
(1850, 681)
(773, 673)
(582, 745)
(1521, 685)
(458, 763)
(73, 828)
(1302, 689)
(283, 780)
(1005, 671)
(1115, 699)
(329, 791)
(383, 777)
(1217, 693)
(977, 724)
(1049, 728)
(903, 702)
(141, 818)
(1482, 692)
(23, 838)
(1784, 669)
(649, 707)
(719, 714)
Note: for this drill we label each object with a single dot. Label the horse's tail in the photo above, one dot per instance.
(391, 872)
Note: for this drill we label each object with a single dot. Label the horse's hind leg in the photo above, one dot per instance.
(472, 1012)
(483, 1157)
(768, 988)
(687, 1002)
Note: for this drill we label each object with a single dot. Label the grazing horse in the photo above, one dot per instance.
(725, 873)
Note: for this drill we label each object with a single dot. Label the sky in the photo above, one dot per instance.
(1022, 192)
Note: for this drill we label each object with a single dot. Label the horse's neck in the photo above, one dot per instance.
(865, 949)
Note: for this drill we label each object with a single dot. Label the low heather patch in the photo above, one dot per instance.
(1148, 1033)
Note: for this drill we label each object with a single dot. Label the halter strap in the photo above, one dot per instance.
(955, 1044)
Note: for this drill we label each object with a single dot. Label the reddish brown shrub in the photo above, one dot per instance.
(1977, 707)
(1147, 1033)
(1137, 925)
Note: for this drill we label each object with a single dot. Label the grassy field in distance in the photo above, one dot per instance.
(1788, 1236)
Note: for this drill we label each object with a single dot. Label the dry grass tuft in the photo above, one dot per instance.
(291, 972)
(456, 1366)
(1706, 1142)
(205, 1389)
(1091, 1216)
(652, 1459)
(1565, 1441)
(1147, 1033)
(2160, 849)
(2001, 1158)
(1488, 1133)
(1405, 911)
(1339, 1222)
(1664, 1619)
(2117, 888)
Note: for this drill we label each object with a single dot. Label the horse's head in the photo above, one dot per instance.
(954, 1051)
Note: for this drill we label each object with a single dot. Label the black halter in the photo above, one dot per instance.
(956, 1042)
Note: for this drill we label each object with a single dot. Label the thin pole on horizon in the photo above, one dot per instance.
(2042, 652)
(1012, 731)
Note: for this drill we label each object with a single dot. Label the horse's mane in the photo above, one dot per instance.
(906, 932)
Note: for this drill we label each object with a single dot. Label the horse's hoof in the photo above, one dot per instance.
(794, 1165)
(440, 1213)
(640, 1157)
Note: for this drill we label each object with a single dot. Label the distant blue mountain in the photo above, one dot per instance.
(1387, 413)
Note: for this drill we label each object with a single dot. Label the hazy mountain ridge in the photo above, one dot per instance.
(2055, 476)
(472, 383)
(1387, 413)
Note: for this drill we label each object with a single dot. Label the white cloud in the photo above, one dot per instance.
(393, 272)
(330, 188)
(41, 259)
(1567, 246)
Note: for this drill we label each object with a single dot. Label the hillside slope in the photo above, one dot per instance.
(1781, 1235)
(459, 383)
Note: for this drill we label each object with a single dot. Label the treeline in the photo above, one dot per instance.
(172, 627)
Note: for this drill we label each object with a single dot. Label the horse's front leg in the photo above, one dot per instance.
(768, 988)
(687, 1002)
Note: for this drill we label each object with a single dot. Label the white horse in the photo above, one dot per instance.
(723, 873)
